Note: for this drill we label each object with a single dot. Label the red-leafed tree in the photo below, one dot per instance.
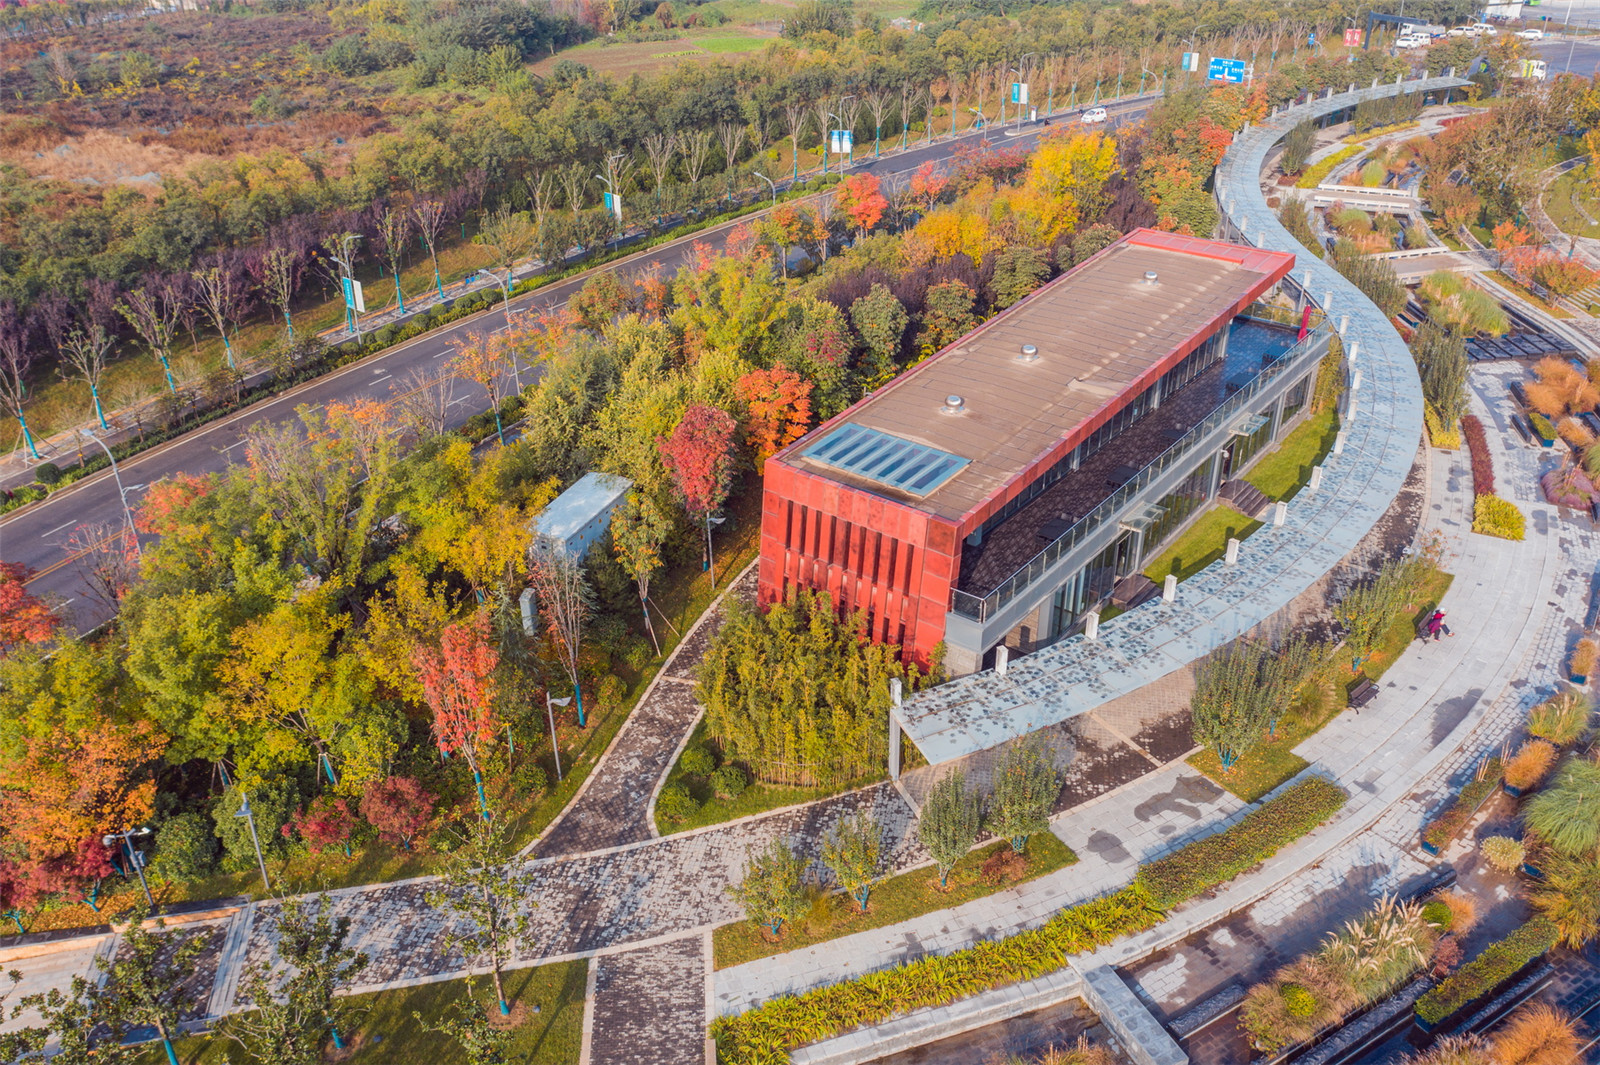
(861, 198)
(458, 683)
(77, 873)
(326, 822)
(398, 807)
(927, 185)
(24, 617)
(777, 410)
(699, 456)
(165, 501)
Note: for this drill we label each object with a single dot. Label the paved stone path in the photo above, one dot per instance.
(614, 806)
(647, 1006)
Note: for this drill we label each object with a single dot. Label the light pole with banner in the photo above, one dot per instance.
(550, 713)
(711, 560)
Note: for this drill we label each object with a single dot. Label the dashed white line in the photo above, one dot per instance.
(57, 529)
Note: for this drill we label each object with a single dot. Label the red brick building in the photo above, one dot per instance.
(920, 501)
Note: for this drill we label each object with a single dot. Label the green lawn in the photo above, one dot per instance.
(1202, 544)
(1506, 281)
(757, 798)
(898, 898)
(1559, 205)
(726, 45)
(389, 1035)
(1281, 473)
(1273, 761)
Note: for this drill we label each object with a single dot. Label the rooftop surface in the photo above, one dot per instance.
(590, 495)
(1101, 330)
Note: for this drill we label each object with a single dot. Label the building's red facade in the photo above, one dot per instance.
(900, 564)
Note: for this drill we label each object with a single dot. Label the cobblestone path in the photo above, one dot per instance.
(648, 1005)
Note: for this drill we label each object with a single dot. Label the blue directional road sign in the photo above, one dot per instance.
(1228, 70)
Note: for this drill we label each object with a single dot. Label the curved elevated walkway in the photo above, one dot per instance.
(1382, 425)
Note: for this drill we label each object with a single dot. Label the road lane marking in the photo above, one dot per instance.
(57, 529)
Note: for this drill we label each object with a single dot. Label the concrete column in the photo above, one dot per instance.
(1327, 301)
(1091, 625)
(1232, 557)
(1355, 381)
(1316, 479)
(1338, 442)
(1350, 415)
(1169, 588)
(1280, 512)
(1355, 349)
(1002, 656)
(894, 728)
(1344, 319)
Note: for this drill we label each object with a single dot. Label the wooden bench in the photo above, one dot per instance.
(1362, 694)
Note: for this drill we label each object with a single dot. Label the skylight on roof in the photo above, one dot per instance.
(890, 460)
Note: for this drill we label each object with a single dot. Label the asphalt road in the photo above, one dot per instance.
(1575, 55)
(37, 536)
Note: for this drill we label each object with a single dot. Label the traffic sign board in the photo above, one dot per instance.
(1228, 70)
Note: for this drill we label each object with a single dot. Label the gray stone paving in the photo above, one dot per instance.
(614, 806)
(648, 1005)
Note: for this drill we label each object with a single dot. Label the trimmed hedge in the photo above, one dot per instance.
(1442, 829)
(766, 1034)
(1498, 963)
(1317, 174)
(1493, 516)
(1541, 426)
(1478, 448)
(1203, 865)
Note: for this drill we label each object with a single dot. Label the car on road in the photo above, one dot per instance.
(1094, 115)
(1410, 41)
(1458, 31)
(1482, 29)
(1530, 34)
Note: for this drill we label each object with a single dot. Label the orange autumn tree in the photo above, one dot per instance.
(777, 405)
(860, 197)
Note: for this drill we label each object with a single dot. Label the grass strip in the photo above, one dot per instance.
(899, 898)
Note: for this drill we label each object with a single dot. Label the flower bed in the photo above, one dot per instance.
(1316, 175)
(1203, 865)
(1478, 448)
(1442, 829)
(1498, 963)
(1493, 516)
(1439, 436)
(766, 1034)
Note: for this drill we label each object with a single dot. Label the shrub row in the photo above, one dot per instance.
(1494, 516)
(1442, 829)
(765, 1035)
(1498, 963)
(1203, 865)
(1318, 173)
(1438, 435)
(1478, 448)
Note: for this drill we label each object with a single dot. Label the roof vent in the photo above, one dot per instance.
(1150, 277)
(1029, 353)
(954, 404)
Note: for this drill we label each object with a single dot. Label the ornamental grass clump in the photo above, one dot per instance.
(1525, 769)
(1585, 656)
(1537, 1034)
(1562, 719)
(1566, 814)
(1364, 961)
(1503, 852)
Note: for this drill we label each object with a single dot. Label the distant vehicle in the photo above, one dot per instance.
(1535, 69)
(1410, 42)
(1482, 29)
(1094, 115)
(1530, 34)
(1458, 31)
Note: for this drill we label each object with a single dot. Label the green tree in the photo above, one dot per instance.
(78, 1024)
(639, 528)
(467, 1022)
(146, 980)
(486, 890)
(1241, 690)
(1025, 788)
(1442, 361)
(1366, 610)
(881, 322)
(1297, 146)
(771, 890)
(291, 1016)
(949, 822)
(949, 314)
(852, 854)
(797, 695)
(1017, 272)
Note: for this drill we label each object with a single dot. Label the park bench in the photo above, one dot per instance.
(1362, 694)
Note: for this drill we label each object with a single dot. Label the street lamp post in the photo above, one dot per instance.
(711, 560)
(249, 816)
(1020, 71)
(770, 185)
(122, 493)
(126, 836)
(550, 713)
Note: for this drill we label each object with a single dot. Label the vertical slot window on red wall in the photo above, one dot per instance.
(894, 557)
(905, 575)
